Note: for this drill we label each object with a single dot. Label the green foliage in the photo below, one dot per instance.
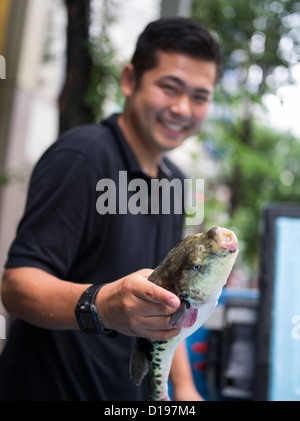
(258, 164)
(9, 176)
(104, 80)
(252, 32)
(4, 178)
(266, 171)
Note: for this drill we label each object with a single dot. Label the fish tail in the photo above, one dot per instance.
(155, 359)
(159, 369)
(158, 385)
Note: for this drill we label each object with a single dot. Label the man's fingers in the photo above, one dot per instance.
(135, 306)
(162, 335)
(148, 291)
(145, 273)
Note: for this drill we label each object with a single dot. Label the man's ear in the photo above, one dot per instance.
(128, 80)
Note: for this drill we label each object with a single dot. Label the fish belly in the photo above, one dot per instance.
(163, 352)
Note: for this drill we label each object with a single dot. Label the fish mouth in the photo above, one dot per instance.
(225, 238)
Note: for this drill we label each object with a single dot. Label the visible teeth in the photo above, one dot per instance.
(174, 127)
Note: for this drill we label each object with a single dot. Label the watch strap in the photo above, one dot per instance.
(87, 314)
(90, 293)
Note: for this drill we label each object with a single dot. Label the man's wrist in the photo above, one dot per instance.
(87, 314)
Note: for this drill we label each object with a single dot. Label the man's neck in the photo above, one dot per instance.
(148, 160)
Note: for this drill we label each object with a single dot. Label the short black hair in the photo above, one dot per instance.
(179, 35)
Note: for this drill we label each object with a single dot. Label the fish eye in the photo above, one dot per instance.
(197, 267)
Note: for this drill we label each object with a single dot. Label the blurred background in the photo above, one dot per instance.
(63, 60)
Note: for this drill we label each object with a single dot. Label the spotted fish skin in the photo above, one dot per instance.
(195, 270)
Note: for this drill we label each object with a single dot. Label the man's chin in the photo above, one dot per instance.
(169, 145)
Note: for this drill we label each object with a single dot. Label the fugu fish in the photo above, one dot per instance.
(196, 270)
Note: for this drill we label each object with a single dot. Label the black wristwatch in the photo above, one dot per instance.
(87, 314)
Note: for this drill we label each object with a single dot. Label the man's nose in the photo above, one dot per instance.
(182, 106)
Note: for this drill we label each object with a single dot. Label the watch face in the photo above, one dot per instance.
(89, 319)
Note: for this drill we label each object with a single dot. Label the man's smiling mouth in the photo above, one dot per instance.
(173, 126)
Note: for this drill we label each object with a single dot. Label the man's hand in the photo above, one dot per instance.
(135, 306)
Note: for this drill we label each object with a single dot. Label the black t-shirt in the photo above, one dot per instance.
(63, 233)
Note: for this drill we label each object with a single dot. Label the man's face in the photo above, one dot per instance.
(171, 100)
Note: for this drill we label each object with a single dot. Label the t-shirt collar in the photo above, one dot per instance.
(128, 154)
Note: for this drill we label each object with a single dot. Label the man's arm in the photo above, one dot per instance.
(131, 305)
(181, 376)
(40, 298)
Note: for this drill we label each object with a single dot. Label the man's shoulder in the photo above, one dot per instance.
(94, 142)
(85, 138)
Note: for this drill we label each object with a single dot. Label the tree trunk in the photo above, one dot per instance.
(73, 110)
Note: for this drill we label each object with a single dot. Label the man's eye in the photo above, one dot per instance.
(200, 99)
(170, 89)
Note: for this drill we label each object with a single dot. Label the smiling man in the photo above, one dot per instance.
(75, 280)
(168, 104)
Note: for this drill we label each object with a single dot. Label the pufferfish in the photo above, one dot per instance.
(195, 270)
